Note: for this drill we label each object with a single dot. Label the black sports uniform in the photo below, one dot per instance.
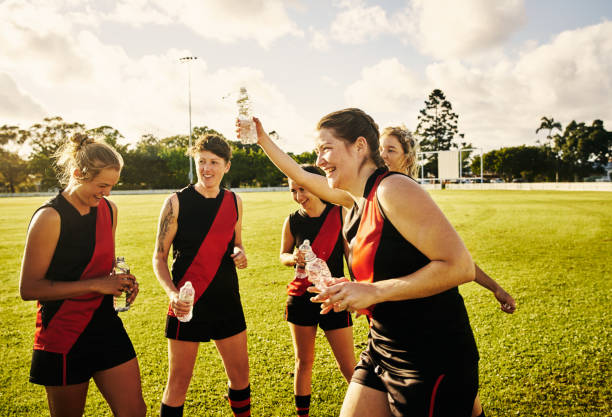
(79, 336)
(324, 234)
(422, 351)
(202, 249)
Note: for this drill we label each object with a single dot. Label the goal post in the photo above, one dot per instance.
(450, 166)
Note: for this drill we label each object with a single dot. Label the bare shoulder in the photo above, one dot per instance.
(46, 222)
(46, 217)
(400, 190)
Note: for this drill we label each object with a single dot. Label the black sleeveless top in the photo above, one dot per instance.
(304, 227)
(74, 248)
(195, 218)
(408, 334)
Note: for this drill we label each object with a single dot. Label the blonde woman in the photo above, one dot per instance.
(67, 266)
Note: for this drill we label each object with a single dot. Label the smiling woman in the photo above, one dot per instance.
(203, 224)
(67, 266)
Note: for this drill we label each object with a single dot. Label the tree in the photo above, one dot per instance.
(583, 150)
(550, 125)
(13, 170)
(530, 163)
(437, 127)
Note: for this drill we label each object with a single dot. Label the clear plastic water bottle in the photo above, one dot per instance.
(121, 267)
(187, 295)
(317, 270)
(248, 132)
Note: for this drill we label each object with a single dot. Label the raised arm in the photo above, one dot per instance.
(41, 241)
(316, 184)
(506, 302)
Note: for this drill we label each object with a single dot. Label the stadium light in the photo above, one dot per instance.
(187, 60)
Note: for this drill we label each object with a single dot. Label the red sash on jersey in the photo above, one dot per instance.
(206, 263)
(367, 239)
(323, 246)
(75, 313)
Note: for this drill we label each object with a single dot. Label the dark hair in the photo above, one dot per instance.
(88, 155)
(409, 145)
(351, 123)
(212, 143)
(312, 169)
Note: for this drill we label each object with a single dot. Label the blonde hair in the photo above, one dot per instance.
(409, 146)
(88, 155)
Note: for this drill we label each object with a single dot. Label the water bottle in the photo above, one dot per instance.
(187, 295)
(248, 131)
(316, 268)
(121, 267)
(319, 274)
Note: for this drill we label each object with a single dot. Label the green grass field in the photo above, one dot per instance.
(550, 250)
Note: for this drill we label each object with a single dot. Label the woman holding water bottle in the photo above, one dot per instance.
(203, 224)
(320, 223)
(407, 261)
(68, 267)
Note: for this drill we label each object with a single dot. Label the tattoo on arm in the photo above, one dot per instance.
(164, 226)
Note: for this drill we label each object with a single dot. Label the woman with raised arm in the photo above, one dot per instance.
(321, 224)
(68, 267)
(398, 150)
(407, 261)
(203, 224)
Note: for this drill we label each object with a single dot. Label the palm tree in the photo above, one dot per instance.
(550, 124)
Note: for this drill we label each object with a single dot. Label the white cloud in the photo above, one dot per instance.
(15, 105)
(71, 73)
(451, 29)
(358, 23)
(439, 28)
(387, 86)
(319, 41)
(501, 103)
(224, 20)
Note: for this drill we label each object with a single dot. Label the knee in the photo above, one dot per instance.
(304, 363)
(178, 380)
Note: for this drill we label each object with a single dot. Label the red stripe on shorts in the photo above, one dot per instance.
(433, 395)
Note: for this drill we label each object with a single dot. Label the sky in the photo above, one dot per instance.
(502, 64)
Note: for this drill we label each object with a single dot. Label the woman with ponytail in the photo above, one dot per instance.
(68, 268)
(407, 262)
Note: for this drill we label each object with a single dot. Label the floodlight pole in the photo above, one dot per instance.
(188, 60)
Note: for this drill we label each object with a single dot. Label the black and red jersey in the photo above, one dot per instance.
(202, 249)
(324, 234)
(433, 329)
(85, 249)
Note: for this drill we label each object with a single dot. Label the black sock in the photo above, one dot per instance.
(240, 401)
(169, 411)
(302, 405)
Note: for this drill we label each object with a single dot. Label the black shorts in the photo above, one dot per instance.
(451, 393)
(203, 331)
(303, 312)
(97, 349)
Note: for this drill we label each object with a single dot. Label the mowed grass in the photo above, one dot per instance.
(550, 250)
